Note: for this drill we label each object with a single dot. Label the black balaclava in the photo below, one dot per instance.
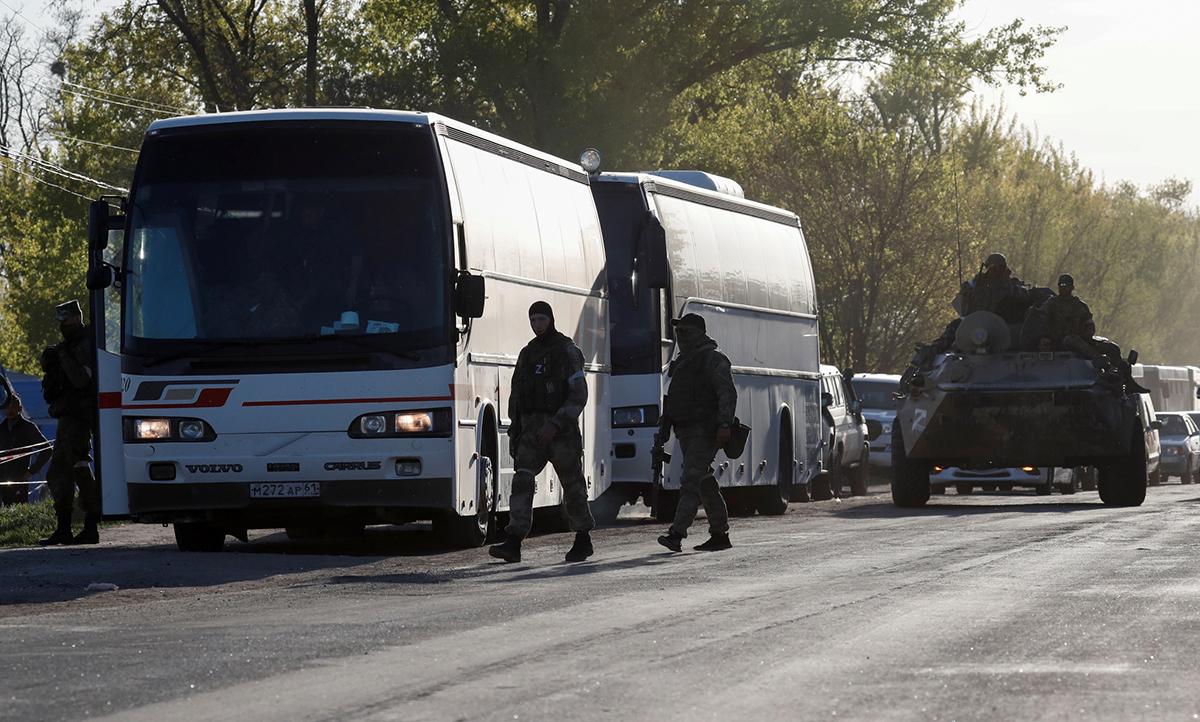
(690, 332)
(543, 308)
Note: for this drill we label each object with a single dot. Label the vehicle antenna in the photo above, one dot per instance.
(958, 229)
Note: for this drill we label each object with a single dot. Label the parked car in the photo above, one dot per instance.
(879, 404)
(1180, 443)
(845, 446)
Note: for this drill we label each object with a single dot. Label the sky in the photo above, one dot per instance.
(1129, 106)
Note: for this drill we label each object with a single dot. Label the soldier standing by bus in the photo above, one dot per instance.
(549, 392)
(18, 432)
(700, 404)
(69, 385)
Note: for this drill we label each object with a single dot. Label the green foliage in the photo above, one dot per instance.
(22, 525)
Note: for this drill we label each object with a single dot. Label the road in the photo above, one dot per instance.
(977, 608)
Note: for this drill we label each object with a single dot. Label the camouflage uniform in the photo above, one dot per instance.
(549, 385)
(700, 399)
(69, 387)
(1067, 317)
(1006, 296)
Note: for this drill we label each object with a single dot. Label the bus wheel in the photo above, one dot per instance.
(910, 478)
(199, 536)
(466, 532)
(738, 501)
(665, 503)
(773, 500)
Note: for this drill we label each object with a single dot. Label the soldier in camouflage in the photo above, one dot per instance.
(701, 401)
(549, 392)
(69, 386)
(994, 289)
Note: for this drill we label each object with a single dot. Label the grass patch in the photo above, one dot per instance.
(21, 525)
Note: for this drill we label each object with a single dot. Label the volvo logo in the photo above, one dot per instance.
(214, 468)
(353, 465)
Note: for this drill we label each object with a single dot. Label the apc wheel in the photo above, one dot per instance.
(199, 536)
(468, 532)
(1122, 482)
(910, 479)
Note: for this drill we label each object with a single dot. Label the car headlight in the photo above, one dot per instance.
(631, 416)
(145, 430)
(390, 424)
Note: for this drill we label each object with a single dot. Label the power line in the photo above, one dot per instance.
(57, 169)
(18, 14)
(148, 103)
(43, 181)
(89, 96)
(69, 139)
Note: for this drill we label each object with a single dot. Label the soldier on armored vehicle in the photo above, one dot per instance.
(985, 396)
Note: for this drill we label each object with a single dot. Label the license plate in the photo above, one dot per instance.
(285, 490)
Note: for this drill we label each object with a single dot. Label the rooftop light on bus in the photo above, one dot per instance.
(590, 160)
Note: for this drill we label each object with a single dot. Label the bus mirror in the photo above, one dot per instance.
(468, 296)
(653, 269)
(99, 277)
(100, 222)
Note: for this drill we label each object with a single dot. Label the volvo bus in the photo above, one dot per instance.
(688, 242)
(308, 319)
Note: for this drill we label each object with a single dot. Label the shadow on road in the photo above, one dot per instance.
(891, 511)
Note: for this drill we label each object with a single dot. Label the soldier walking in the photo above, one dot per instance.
(701, 401)
(549, 392)
(69, 385)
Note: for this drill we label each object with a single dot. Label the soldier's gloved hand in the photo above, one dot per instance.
(49, 358)
(546, 434)
(724, 433)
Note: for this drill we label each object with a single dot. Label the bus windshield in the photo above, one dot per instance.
(632, 308)
(271, 232)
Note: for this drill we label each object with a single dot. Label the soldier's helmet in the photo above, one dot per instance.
(71, 308)
(996, 259)
(1066, 280)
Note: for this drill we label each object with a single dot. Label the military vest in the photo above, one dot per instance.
(545, 375)
(691, 397)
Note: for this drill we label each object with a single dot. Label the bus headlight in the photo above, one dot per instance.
(414, 422)
(191, 429)
(151, 429)
(146, 430)
(629, 416)
(390, 424)
(373, 425)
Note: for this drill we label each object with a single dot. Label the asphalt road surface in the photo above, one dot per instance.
(995, 607)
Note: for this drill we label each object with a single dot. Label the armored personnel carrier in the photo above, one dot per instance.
(985, 404)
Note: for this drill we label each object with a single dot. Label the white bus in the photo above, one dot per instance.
(1172, 388)
(299, 337)
(686, 242)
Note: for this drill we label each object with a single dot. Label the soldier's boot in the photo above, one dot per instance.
(1130, 384)
(90, 533)
(62, 533)
(509, 550)
(672, 541)
(582, 548)
(715, 543)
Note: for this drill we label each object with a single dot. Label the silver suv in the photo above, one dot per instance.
(845, 448)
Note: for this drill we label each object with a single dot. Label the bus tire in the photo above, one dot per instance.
(469, 532)
(199, 536)
(738, 501)
(666, 501)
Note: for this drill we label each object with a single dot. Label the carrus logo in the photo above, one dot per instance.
(214, 468)
(353, 465)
